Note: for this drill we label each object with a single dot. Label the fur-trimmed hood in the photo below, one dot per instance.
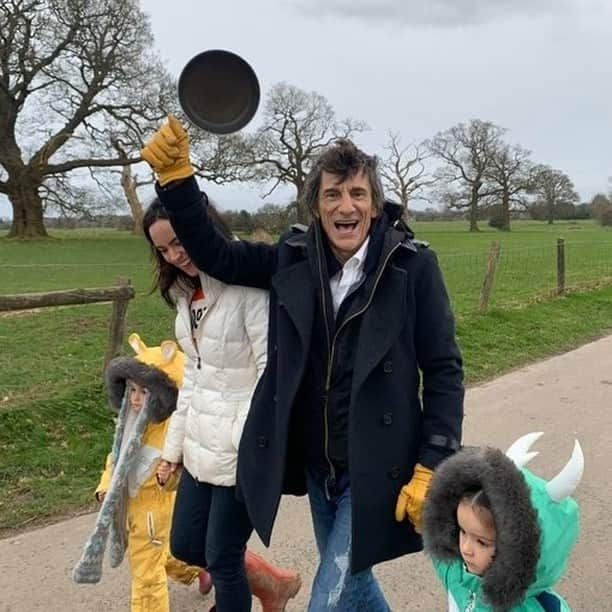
(534, 533)
(162, 389)
(159, 369)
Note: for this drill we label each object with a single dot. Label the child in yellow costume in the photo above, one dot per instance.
(136, 510)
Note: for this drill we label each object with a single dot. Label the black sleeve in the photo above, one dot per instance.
(440, 362)
(235, 262)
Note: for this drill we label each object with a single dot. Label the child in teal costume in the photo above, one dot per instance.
(500, 536)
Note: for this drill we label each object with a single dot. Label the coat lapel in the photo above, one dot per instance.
(296, 294)
(382, 323)
(296, 297)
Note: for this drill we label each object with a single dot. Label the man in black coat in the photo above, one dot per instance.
(363, 390)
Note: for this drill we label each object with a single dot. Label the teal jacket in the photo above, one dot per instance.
(535, 535)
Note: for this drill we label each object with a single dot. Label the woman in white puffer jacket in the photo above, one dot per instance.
(222, 329)
(226, 350)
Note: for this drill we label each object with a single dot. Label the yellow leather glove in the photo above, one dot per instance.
(167, 152)
(412, 497)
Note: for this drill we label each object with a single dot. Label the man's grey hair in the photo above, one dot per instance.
(345, 160)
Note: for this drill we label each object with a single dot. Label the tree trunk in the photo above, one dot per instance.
(474, 207)
(303, 214)
(505, 213)
(27, 213)
(474, 216)
(550, 209)
(129, 188)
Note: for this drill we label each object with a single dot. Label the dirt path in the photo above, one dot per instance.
(567, 396)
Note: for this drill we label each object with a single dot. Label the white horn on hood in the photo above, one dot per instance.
(519, 450)
(566, 481)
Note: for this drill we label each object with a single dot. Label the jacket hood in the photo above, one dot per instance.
(159, 369)
(535, 534)
(163, 392)
(395, 214)
(513, 569)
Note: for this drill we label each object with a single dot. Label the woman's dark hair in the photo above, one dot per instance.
(168, 276)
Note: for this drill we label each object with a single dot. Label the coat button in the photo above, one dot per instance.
(276, 348)
(388, 367)
(394, 472)
(275, 400)
(387, 418)
(262, 442)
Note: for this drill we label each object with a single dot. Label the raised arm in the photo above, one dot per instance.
(235, 262)
(231, 261)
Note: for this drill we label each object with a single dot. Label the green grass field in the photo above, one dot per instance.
(55, 428)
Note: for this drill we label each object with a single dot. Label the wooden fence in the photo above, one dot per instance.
(119, 296)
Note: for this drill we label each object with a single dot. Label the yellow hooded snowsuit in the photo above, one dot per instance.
(149, 505)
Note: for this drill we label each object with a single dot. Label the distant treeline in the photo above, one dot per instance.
(275, 218)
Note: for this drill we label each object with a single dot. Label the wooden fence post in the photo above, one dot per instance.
(117, 323)
(487, 283)
(560, 266)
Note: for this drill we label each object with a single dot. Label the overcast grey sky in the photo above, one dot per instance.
(541, 68)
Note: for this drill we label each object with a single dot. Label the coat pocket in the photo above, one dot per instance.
(151, 529)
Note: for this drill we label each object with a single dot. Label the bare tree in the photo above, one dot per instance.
(296, 127)
(61, 194)
(130, 182)
(599, 203)
(466, 151)
(403, 171)
(221, 159)
(507, 178)
(552, 189)
(68, 70)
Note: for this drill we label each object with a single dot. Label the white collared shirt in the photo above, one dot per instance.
(349, 275)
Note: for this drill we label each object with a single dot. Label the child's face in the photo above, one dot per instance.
(137, 396)
(476, 537)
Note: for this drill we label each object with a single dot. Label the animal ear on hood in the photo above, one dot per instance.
(137, 344)
(168, 350)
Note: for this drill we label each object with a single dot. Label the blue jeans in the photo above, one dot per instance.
(210, 528)
(334, 587)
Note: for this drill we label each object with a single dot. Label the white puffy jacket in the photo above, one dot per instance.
(224, 362)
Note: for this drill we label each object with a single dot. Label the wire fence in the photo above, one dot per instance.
(58, 341)
(526, 274)
(523, 274)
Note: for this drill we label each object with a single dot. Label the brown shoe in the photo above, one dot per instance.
(272, 585)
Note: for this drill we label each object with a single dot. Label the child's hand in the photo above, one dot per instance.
(164, 470)
(100, 495)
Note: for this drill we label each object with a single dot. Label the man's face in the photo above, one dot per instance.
(346, 211)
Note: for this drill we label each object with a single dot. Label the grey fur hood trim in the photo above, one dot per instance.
(163, 392)
(513, 569)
